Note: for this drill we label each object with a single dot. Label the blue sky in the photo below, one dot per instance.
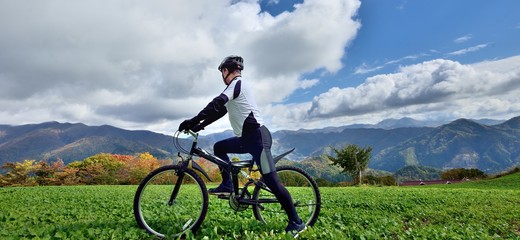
(313, 63)
(401, 32)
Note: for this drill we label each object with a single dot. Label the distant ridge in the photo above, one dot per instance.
(491, 147)
(393, 123)
(76, 141)
(462, 143)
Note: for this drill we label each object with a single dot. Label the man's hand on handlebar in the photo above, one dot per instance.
(186, 125)
(190, 124)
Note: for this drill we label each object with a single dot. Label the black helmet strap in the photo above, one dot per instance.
(228, 73)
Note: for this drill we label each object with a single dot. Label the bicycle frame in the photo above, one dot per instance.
(233, 167)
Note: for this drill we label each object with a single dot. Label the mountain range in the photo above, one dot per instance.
(489, 145)
(71, 142)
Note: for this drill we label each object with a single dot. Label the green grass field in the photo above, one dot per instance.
(476, 210)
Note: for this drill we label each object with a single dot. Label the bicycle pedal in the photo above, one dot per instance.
(221, 195)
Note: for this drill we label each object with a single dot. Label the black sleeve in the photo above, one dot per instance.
(213, 118)
(213, 111)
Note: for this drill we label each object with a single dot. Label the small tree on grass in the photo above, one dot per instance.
(353, 159)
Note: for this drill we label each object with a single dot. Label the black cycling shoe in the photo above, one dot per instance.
(295, 228)
(222, 189)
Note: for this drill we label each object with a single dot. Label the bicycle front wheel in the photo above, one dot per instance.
(304, 192)
(171, 201)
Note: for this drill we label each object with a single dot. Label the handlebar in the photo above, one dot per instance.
(177, 143)
(192, 133)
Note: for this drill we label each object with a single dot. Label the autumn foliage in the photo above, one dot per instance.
(102, 168)
(462, 173)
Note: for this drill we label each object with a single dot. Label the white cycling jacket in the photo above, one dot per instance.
(237, 100)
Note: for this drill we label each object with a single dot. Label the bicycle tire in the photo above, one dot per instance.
(157, 216)
(303, 190)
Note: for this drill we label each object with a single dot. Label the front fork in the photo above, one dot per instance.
(178, 184)
(180, 177)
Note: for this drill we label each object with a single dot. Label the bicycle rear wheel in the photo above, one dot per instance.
(304, 192)
(161, 212)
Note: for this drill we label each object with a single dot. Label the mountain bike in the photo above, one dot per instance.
(172, 199)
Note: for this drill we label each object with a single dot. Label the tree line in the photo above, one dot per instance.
(111, 169)
(103, 168)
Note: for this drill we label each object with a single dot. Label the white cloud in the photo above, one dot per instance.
(296, 42)
(308, 83)
(468, 50)
(462, 39)
(364, 69)
(429, 90)
(140, 64)
(409, 57)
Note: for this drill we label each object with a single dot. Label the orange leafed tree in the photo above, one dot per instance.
(102, 168)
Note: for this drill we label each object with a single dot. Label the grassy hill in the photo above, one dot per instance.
(511, 181)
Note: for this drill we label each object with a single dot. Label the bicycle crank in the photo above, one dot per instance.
(235, 204)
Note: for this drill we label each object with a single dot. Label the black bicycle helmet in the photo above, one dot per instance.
(232, 63)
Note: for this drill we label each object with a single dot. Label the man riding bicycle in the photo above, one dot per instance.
(250, 136)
